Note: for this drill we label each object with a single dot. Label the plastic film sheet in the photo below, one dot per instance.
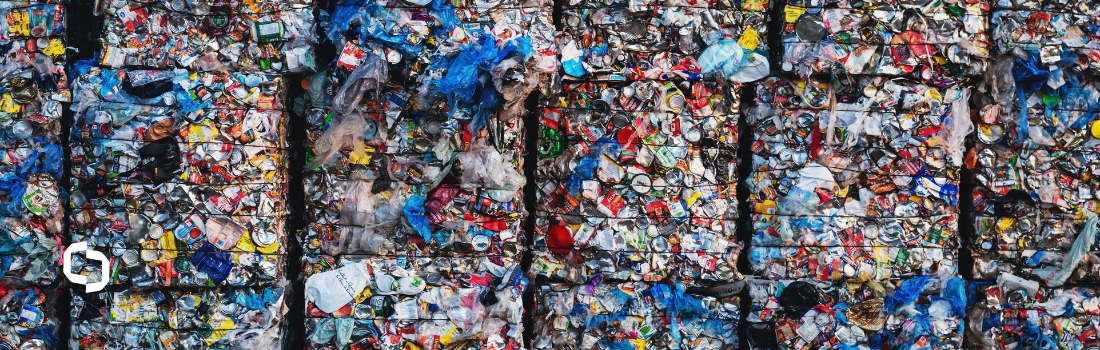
(180, 176)
(942, 43)
(637, 182)
(209, 35)
(856, 178)
(372, 301)
(636, 315)
(922, 312)
(223, 317)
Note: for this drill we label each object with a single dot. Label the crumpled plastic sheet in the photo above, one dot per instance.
(637, 182)
(365, 301)
(180, 176)
(223, 317)
(209, 35)
(665, 39)
(414, 173)
(856, 178)
(636, 315)
(942, 43)
(924, 312)
(1011, 312)
(35, 88)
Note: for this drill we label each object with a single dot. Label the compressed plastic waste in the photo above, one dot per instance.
(1013, 313)
(636, 315)
(32, 316)
(1033, 160)
(180, 176)
(204, 318)
(637, 182)
(856, 178)
(209, 35)
(636, 218)
(368, 302)
(33, 90)
(1058, 32)
(414, 236)
(942, 43)
(918, 313)
(664, 40)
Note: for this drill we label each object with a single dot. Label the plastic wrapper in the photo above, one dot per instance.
(180, 177)
(637, 182)
(856, 178)
(205, 318)
(664, 40)
(925, 312)
(636, 315)
(370, 301)
(209, 35)
(1017, 313)
(33, 90)
(942, 43)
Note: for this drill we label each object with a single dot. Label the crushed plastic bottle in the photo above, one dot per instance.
(209, 35)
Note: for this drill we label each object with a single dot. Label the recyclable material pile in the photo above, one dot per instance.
(857, 157)
(916, 313)
(33, 92)
(856, 179)
(209, 35)
(414, 233)
(1013, 313)
(1033, 160)
(943, 42)
(637, 201)
(855, 182)
(180, 175)
(892, 148)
